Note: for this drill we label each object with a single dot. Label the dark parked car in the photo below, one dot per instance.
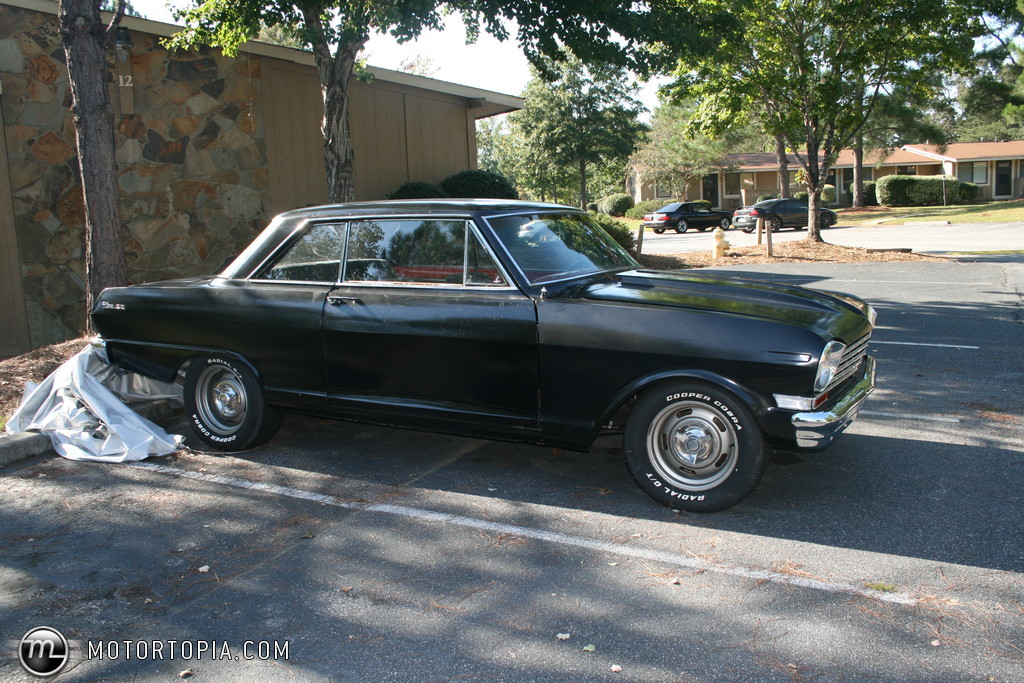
(681, 216)
(779, 214)
(504, 320)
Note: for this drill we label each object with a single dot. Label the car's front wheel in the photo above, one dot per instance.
(682, 226)
(224, 403)
(694, 447)
(827, 221)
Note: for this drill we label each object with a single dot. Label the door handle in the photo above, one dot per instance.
(339, 300)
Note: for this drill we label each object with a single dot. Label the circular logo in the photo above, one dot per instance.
(43, 651)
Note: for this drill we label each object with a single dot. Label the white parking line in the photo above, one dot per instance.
(537, 534)
(941, 346)
(910, 416)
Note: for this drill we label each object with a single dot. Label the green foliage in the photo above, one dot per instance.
(615, 204)
(619, 231)
(703, 202)
(969, 192)
(763, 197)
(870, 198)
(416, 190)
(479, 184)
(828, 194)
(646, 206)
(802, 196)
(586, 116)
(912, 190)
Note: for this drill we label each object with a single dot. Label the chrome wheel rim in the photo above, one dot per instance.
(692, 445)
(221, 400)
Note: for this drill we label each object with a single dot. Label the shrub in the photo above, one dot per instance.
(802, 196)
(912, 190)
(416, 190)
(479, 184)
(615, 204)
(592, 206)
(763, 197)
(646, 206)
(870, 199)
(828, 194)
(619, 231)
(968, 192)
(702, 201)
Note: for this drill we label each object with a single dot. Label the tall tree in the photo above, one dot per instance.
(673, 157)
(806, 64)
(337, 31)
(584, 116)
(86, 40)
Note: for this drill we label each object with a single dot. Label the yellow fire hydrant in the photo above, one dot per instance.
(721, 245)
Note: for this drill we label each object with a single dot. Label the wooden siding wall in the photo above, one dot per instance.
(399, 134)
(14, 337)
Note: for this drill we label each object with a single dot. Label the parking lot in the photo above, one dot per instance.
(379, 554)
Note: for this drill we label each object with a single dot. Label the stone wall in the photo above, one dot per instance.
(191, 163)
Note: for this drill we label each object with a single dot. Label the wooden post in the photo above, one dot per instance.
(760, 229)
(640, 240)
(768, 239)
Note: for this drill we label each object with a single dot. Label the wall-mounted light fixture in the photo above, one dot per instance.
(122, 44)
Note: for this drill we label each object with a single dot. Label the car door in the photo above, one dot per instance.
(424, 328)
(793, 213)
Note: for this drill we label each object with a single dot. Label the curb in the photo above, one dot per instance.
(24, 445)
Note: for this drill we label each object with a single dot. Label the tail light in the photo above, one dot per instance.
(659, 217)
(755, 212)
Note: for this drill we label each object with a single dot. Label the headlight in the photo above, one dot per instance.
(828, 365)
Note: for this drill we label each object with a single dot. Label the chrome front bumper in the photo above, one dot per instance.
(817, 430)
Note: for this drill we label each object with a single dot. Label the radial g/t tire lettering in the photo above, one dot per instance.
(225, 406)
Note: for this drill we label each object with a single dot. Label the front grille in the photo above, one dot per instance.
(853, 356)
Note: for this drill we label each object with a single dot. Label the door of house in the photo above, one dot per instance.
(710, 192)
(1004, 178)
(14, 337)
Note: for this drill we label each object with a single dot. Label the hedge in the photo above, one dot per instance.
(647, 206)
(619, 231)
(913, 190)
(615, 204)
(479, 184)
(416, 190)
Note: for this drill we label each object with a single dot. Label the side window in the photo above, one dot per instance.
(314, 257)
(408, 250)
(480, 267)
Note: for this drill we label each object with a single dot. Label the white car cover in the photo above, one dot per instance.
(79, 406)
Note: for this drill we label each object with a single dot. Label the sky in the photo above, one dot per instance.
(488, 64)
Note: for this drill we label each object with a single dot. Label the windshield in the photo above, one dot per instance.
(549, 247)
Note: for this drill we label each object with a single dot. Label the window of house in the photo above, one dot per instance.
(732, 183)
(906, 170)
(662, 191)
(973, 172)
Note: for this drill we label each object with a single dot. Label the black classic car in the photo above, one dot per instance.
(779, 214)
(681, 216)
(504, 320)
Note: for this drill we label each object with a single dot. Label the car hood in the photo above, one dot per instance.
(841, 316)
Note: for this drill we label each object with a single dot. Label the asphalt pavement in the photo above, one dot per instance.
(378, 554)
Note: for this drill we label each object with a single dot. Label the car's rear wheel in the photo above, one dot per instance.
(775, 223)
(694, 447)
(725, 224)
(682, 226)
(659, 231)
(225, 405)
(749, 228)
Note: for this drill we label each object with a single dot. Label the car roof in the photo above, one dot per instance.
(406, 206)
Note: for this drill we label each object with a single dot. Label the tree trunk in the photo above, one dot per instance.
(780, 154)
(858, 174)
(816, 174)
(85, 47)
(583, 185)
(335, 71)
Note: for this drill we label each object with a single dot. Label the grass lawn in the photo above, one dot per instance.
(987, 212)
